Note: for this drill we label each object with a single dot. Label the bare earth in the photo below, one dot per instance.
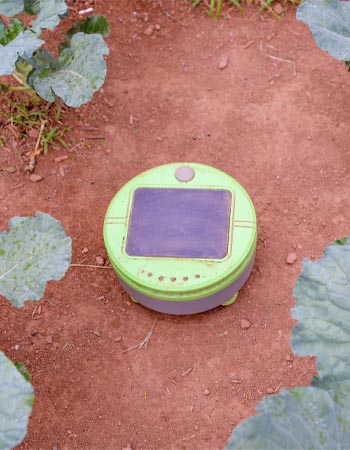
(276, 119)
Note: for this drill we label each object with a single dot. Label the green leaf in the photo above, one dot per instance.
(22, 370)
(323, 311)
(49, 15)
(32, 7)
(301, 418)
(329, 21)
(91, 25)
(24, 45)
(80, 71)
(16, 401)
(34, 251)
(9, 34)
(11, 7)
(42, 59)
(3, 32)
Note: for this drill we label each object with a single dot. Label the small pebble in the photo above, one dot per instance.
(245, 324)
(49, 339)
(223, 63)
(278, 8)
(100, 261)
(269, 391)
(35, 178)
(17, 347)
(148, 31)
(97, 333)
(291, 258)
(206, 392)
(118, 339)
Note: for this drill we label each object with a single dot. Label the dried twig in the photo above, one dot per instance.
(286, 60)
(92, 266)
(144, 343)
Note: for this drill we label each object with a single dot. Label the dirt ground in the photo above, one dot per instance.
(276, 119)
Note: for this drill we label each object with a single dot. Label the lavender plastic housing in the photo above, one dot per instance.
(202, 304)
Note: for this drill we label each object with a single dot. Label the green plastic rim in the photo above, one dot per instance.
(177, 279)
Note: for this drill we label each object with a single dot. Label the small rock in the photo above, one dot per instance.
(85, 250)
(291, 258)
(100, 261)
(269, 391)
(206, 392)
(118, 339)
(191, 408)
(62, 171)
(278, 8)
(148, 31)
(61, 158)
(157, 27)
(49, 339)
(35, 178)
(245, 324)
(128, 447)
(223, 62)
(17, 347)
(196, 427)
(97, 333)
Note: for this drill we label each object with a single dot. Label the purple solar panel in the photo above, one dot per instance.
(179, 223)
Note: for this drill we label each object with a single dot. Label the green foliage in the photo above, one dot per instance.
(34, 251)
(329, 22)
(80, 69)
(215, 6)
(316, 417)
(93, 24)
(16, 402)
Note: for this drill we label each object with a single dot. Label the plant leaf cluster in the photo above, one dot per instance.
(80, 68)
(316, 417)
(329, 22)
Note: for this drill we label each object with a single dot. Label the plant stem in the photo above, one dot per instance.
(218, 9)
(19, 88)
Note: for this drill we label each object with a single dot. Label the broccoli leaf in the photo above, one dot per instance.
(323, 311)
(11, 7)
(80, 71)
(16, 401)
(300, 418)
(32, 7)
(23, 45)
(315, 417)
(329, 22)
(50, 14)
(93, 24)
(34, 251)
